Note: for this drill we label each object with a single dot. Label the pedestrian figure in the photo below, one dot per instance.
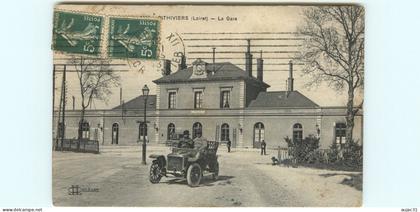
(263, 145)
(228, 144)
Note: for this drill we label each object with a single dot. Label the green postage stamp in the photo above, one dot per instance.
(77, 33)
(133, 38)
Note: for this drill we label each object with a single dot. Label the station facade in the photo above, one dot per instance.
(218, 101)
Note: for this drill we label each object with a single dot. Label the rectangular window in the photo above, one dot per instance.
(340, 134)
(262, 134)
(86, 134)
(142, 132)
(225, 99)
(297, 135)
(85, 128)
(198, 99)
(172, 100)
(259, 135)
(225, 132)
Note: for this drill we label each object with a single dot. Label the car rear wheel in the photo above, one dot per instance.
(194, 175)
(154, 175)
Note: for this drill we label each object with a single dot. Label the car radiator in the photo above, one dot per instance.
(175, 163)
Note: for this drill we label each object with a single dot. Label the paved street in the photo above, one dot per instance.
(116, 178)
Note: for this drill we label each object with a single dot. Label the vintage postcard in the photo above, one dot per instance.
(208, 105)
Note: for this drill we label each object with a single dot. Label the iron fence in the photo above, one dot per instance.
(75, 145)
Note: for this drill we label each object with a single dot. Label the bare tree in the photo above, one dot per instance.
(96, 78)
(333, 51)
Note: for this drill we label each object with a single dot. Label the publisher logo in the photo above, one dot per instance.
(78, 190)
(74, 190)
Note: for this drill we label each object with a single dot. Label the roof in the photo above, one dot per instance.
(279, 99)
(224, 71)
(138, 103)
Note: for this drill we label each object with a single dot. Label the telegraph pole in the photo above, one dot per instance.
(53, 104)
(120, 95)
(121, 104)
(61, 111)
(63, 118)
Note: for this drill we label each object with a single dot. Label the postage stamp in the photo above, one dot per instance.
(134, 38)
(77, 33)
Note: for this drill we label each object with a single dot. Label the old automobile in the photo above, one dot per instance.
(191, 161)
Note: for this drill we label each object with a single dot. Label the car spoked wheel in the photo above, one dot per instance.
(216, 171)
(154, 175)
(194, 175)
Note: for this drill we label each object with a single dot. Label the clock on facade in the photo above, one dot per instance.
(199, 68)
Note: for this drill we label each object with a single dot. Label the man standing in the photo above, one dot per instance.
(263, 145)
(228, 144)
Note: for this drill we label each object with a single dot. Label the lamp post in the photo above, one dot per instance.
(145, 91)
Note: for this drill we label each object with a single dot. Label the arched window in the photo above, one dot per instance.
(115, 132)
(297, 132)
(85, 128)
(225, 132)
(259, 132)
(142, 131)
(171, 131)
(340, 133)
(197, 130)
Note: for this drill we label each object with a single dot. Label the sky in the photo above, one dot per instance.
(270, 28)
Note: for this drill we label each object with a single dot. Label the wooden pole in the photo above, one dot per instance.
(63, 89)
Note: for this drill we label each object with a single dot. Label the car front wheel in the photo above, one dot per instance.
(154, 175)
(194, 175)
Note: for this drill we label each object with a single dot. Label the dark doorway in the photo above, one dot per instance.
(259, 133)
(115, 133)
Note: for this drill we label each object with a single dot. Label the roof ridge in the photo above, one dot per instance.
(273, 91)
(226, 70)
(279, 99)
(136, 99)
(307, 98)
(221, 66)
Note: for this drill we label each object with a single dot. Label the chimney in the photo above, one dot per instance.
(248, 59)
(183, 64)
(260, 63)
(166, 67)
(290, 80)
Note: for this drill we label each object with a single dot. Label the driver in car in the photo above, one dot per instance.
(186, 141)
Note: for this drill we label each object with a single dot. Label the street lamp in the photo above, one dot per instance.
(145, 91)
